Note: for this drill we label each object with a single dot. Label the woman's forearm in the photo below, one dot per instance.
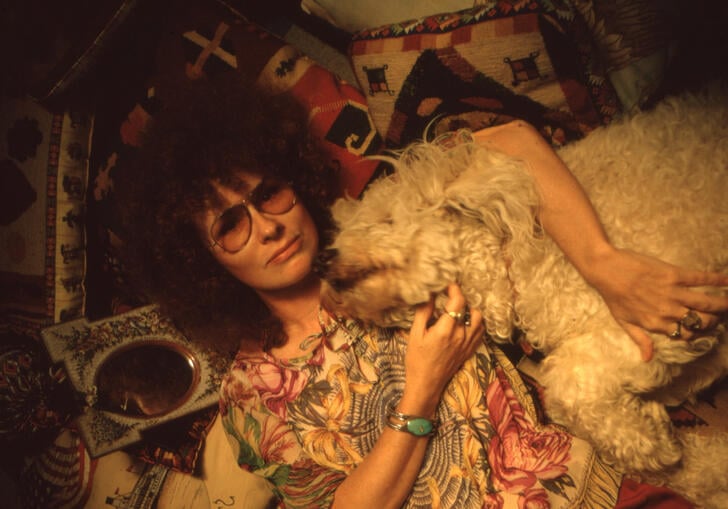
(642, 292)
(386, 476)
(566, 212)
(434, 354)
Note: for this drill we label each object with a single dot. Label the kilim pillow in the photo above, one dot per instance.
(484, 66)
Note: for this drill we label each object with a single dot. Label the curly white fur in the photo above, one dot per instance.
(455, 211)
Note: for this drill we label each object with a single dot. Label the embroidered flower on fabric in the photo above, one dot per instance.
(276, 385)
(519, 454)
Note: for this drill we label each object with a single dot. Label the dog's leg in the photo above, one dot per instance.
(695, 377)
(701, 475)
(584, 380)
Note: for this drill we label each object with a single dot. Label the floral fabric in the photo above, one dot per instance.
(305, 423)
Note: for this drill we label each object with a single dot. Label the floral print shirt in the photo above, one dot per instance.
(305, 423)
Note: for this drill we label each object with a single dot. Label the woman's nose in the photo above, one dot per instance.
(265, 227)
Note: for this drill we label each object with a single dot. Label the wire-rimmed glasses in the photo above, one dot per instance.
(231, 230)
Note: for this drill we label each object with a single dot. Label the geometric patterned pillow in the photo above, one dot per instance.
(483, 66)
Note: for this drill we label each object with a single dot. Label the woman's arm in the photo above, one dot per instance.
(642, 293)
(386, 476)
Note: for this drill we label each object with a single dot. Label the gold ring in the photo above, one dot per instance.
(692, 321)
(462, 318)
(458, 317)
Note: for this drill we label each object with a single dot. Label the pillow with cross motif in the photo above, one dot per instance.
(484, 66)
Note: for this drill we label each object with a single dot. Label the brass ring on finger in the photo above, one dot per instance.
(692, 321)
(466, 316)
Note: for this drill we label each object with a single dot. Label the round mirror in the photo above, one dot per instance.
(146, 379)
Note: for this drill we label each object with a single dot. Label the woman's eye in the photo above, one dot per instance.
(230, 220)
(226, 226)
(269, 192)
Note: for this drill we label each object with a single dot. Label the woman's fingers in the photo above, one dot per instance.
(455, 300)
(696, 308)
(436, 351)
(691, 324)
(456, 330)
(688, 277)
(707, 299)
(423, 313)
(695, 302)
(641, 338)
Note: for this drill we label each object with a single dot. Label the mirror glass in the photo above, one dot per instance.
(146, 379)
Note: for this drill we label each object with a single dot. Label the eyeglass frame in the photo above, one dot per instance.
(247, 203)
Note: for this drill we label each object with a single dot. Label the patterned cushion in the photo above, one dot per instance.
(43, 170)
(636, 40)
(485, 66)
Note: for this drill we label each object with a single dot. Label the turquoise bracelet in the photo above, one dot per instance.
(412, 424)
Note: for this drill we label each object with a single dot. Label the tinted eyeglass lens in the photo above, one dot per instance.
(231, 230)
(273, 197)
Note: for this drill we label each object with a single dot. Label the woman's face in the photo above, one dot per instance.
(281, 248)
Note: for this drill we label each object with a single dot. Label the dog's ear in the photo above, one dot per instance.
(343, 209)
(500, 192)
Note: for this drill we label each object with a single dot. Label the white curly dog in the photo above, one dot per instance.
(459, 212)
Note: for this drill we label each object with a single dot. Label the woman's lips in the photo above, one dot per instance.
(286, 251)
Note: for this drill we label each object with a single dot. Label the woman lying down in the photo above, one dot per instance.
(227, 210)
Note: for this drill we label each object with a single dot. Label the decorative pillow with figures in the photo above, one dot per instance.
(43, 171)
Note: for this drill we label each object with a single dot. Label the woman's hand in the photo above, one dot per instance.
(436, 353)
(647, 294)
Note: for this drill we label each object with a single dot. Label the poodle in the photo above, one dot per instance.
(455, 211)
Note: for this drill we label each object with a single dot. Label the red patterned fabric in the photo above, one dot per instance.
(635, 495)
(338, 117)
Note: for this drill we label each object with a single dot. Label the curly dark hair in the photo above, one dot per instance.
(205, 132)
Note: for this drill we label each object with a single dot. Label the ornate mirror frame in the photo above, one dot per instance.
(84, 346)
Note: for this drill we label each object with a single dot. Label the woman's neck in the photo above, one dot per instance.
(296, 307)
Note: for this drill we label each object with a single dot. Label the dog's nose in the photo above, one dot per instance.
(323, 261)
